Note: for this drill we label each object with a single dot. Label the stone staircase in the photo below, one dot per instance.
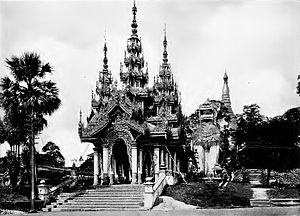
(254, 176)
(116, 197)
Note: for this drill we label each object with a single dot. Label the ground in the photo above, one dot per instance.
(291, 211)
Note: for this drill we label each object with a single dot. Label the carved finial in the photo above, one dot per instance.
(80, 116)
(105, 66)
(165, 43)
(225, 76)
(134, 24)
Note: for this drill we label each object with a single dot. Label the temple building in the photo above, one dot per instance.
(206, 125)
(137, 131)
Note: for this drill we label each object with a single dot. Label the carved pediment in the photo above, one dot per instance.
(206, 135)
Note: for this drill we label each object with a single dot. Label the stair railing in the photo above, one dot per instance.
(154, 190)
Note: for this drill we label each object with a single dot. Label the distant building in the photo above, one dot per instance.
(136, 130)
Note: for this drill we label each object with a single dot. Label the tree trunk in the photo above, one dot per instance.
(32, 160)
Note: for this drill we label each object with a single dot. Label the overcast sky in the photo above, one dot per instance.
(258, 42)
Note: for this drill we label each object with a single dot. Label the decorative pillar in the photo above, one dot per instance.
(156, 162)
(100, 166)
(111, 171)
(140, 170)
(175, 162)
(170, 162)
(178, 165)
(167, 160)
(162, 158)
(43, 191)
(96, 166)
(134, 164)
(105, 164)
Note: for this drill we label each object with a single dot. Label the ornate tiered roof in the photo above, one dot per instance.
(142, 112)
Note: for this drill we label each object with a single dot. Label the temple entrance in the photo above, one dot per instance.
(147, 165)
(121, 162)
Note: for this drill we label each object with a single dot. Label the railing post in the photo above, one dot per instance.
(149, 193)
(43, 190)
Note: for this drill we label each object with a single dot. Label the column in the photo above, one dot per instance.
(105, 164)
(100, 166)
(167, 160)
(170, 162)
(178, 165)
(156, 162)
(175, 162)
(96, 166)
(134, 164)
(162, 158)
(140, 170)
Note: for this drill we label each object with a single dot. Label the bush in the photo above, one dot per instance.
(209, 196)
(194, 176)
(241, 176)
(289, 179)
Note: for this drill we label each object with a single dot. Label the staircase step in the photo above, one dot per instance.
(113, 199)
(117, 197)
(96, 209)
(260, 202)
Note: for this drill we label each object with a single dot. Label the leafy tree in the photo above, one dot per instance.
(27, 97)
(248, 124)
(267, 143)
(52, 156)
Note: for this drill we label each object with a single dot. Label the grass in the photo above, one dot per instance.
(284, 193)
(209, 196)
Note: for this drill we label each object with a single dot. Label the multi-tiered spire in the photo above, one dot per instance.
(225, 94)
(165, 81)
(134, 59)
(104, 83)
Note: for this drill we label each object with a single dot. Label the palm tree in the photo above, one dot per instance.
(27, 97)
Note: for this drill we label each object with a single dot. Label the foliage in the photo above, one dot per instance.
(13, 167)
(289, 179)
(27, 96)
(248, 124)
(209, 196)
(298, 85)
(270, 143)
(52, 156)
(284, 193)
(3, 133)
(87, 166)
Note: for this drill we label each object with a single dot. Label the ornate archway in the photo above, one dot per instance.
(118, 142)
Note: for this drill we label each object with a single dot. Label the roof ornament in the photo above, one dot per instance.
(80, 116)
(225, 75)
(165, 43)
(105, 66)
(134, 24)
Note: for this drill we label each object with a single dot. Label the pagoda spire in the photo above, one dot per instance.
(105, 79)
(226, 93)
(134, 24)
(165, 43)
(105, 61)
(134, 75)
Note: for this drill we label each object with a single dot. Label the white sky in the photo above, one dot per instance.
(257, 41)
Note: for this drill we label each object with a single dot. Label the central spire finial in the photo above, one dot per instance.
(134, 24)
(105, 66)
(165, 43)
(225, 76)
